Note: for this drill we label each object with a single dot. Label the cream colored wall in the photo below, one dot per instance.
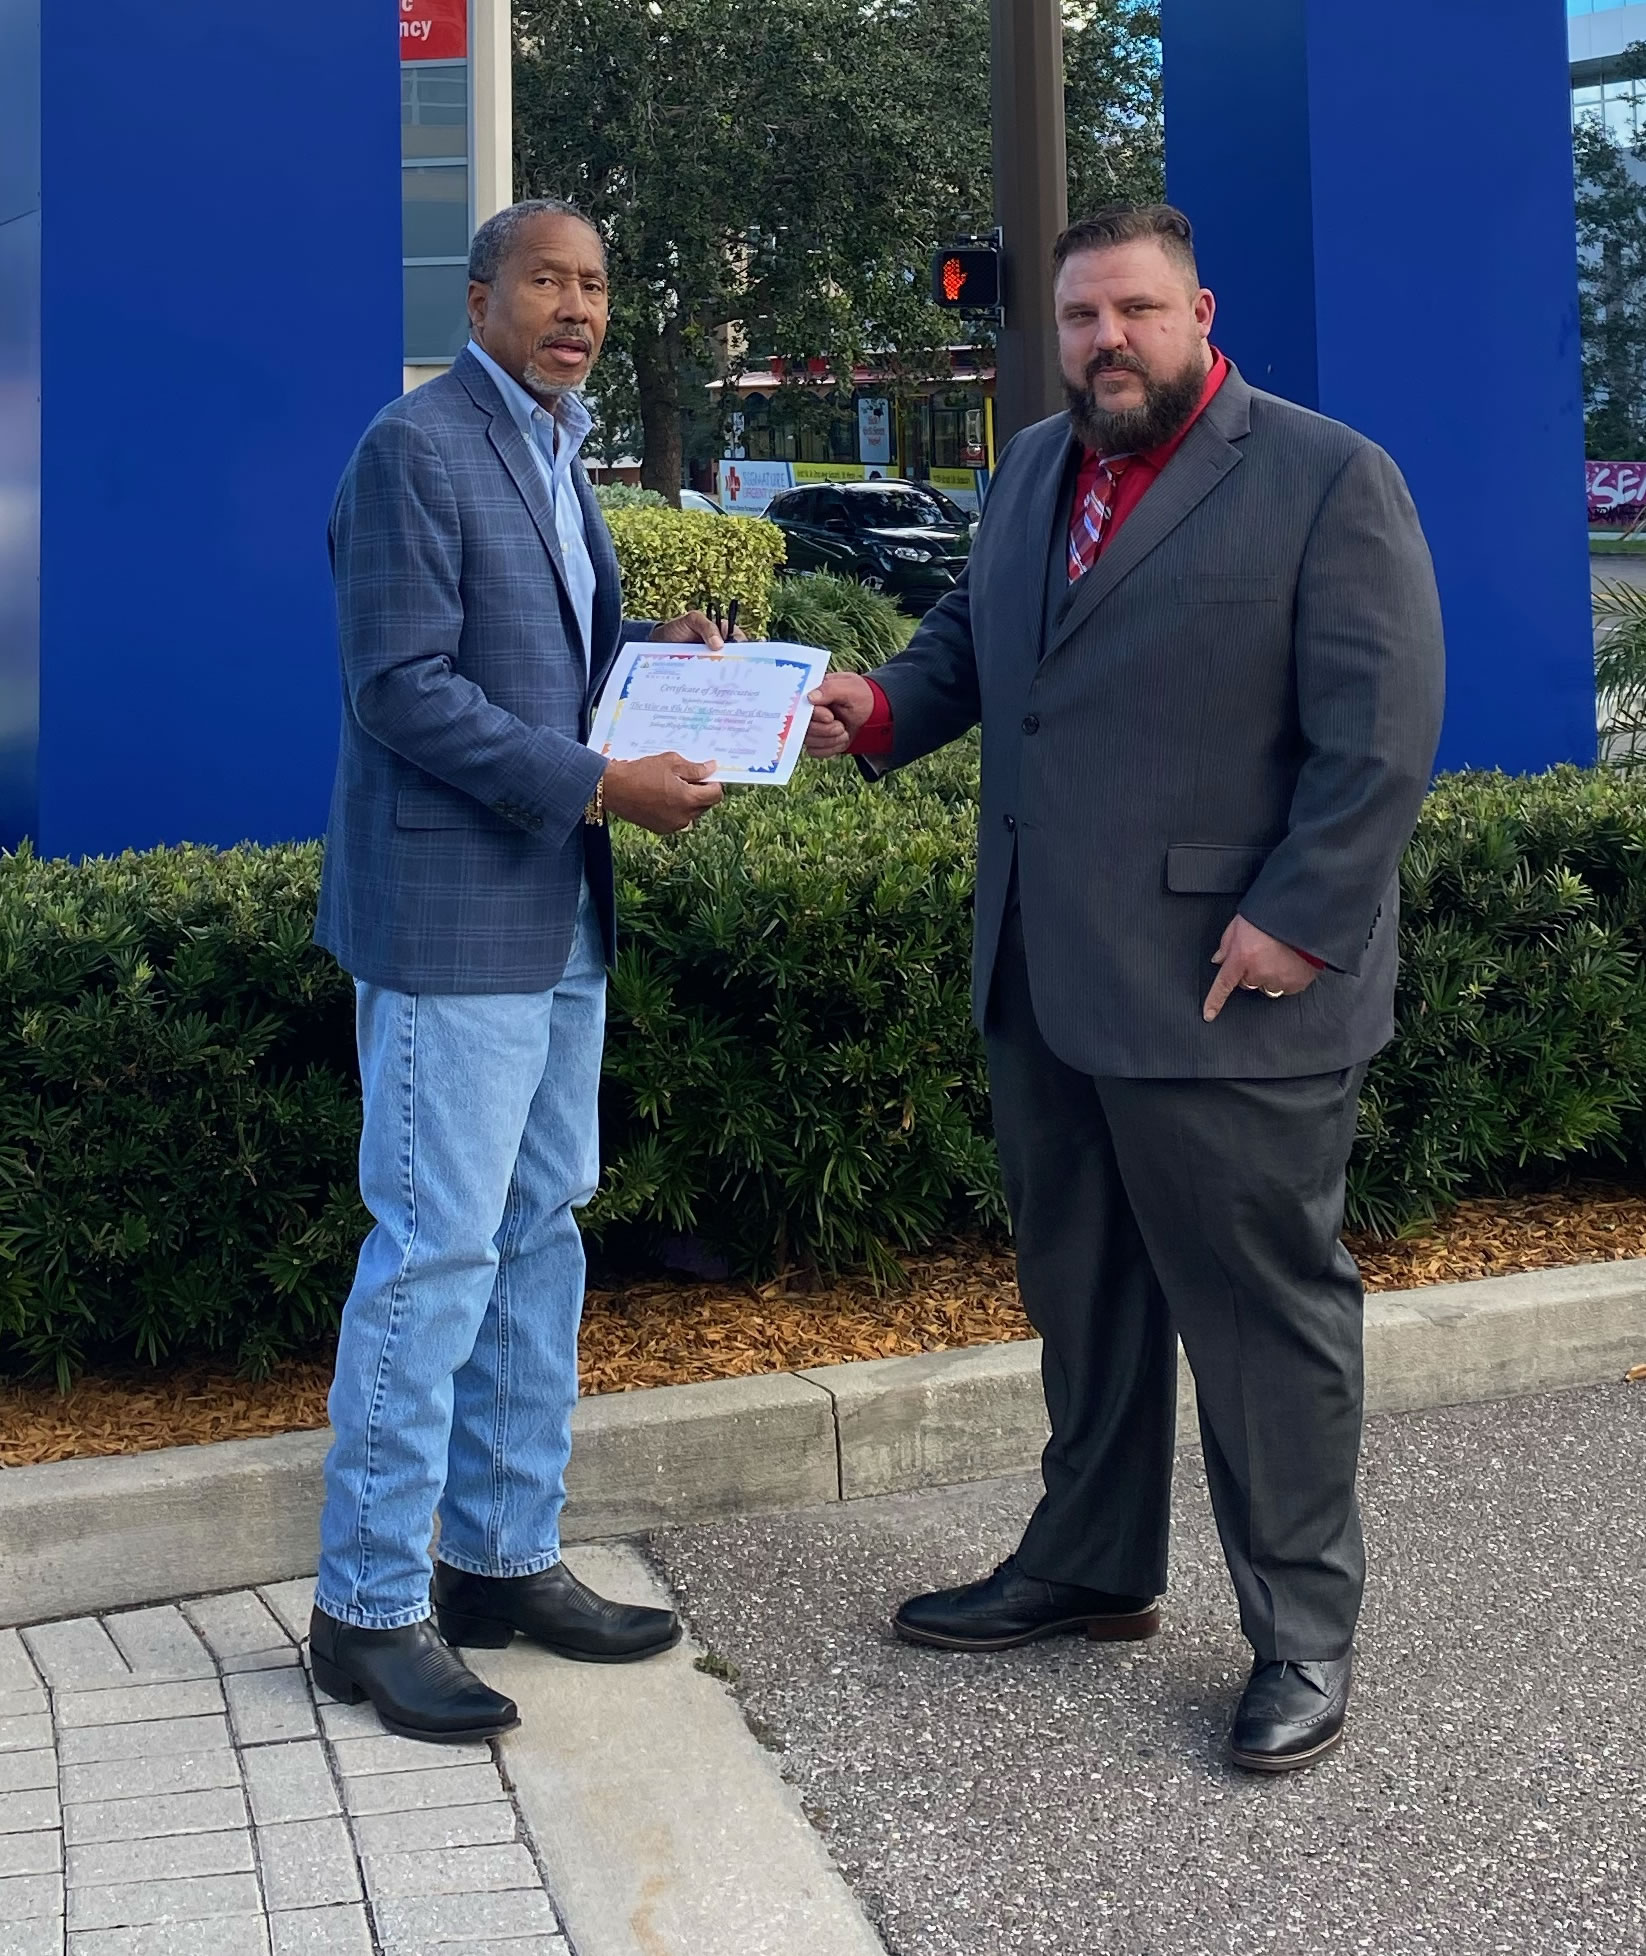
(491, 108)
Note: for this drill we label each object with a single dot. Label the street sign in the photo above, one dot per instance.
(966, 276)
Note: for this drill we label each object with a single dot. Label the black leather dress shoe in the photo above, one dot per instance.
(420, 1689)
(1010, 1608)
(1291, 1714)
(553, 1609)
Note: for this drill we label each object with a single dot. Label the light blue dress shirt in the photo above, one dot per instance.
(554, 440)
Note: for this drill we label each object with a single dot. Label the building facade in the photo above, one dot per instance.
(1598, 32)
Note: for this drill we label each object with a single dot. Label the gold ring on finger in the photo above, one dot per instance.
(1269, 994)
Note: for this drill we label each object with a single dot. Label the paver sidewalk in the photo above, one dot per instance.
(171, 1785)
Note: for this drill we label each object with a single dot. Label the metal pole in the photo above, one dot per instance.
(1031, 203)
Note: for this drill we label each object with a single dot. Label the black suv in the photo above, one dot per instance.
(898, 537)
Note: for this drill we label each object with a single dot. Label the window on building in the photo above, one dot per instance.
(1618, 105)
(767, 437)
(434, 206)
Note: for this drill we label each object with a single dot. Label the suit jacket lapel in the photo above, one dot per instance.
(608, 590)
(1041, 520)
(521, 464)
(516, 456)
(1207, 455)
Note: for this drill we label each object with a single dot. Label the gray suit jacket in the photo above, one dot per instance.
(1237, 708)
(456, 847)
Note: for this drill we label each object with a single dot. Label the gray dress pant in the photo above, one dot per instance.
(1145, 1210)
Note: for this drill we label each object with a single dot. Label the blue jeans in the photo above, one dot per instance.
(457, 1360)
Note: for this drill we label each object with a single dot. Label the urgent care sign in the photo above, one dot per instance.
(434, 30)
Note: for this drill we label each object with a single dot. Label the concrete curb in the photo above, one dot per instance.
(89, 1535)
(664, 1829)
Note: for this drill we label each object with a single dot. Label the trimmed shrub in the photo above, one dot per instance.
(627, 495)
(791, 1072)
(1521, 1006)
(179, 1108)
(676, 560)
(861, 628)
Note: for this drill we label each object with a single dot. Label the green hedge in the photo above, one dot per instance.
(860, 627)
(791, 1071)
(676, 560)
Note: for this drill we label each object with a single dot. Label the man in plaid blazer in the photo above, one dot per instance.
(468, 889)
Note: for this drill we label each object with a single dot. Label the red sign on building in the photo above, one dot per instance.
(434, 30)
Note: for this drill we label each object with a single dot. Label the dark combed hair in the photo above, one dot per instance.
(1122, 224)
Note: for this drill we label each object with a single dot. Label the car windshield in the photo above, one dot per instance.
(903, 509)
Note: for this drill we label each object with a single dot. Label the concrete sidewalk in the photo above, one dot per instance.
(1069, 1798)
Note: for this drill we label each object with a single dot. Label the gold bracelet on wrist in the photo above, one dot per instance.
(595, 813)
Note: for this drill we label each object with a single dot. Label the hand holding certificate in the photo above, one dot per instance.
(744, 708)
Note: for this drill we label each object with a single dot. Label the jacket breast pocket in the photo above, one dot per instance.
(446, 808)
(1230, 587)
(1212, 869)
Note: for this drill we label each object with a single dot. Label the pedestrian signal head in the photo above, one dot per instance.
(966, 278)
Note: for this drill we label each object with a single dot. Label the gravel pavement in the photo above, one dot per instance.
(1073, 1798)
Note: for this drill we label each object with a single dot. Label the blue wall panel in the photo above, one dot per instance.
(1409, 266)
(221, 317)
(19, 415)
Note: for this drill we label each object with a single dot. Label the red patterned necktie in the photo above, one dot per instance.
(1091, 520)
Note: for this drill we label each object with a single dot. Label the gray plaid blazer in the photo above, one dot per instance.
(456, 847)
(1236, 708)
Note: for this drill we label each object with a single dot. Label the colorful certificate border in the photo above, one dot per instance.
(807, 664)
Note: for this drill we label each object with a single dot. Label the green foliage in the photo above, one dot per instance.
(1521, 1008)
(861, 628)
(625, 495)
(1620, 675)
(675, 560)
(785, 170)
(791, 1072)
(178, 1105)
(1611, 233)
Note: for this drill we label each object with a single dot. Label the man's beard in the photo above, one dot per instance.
(1165, 408)
(547, 387)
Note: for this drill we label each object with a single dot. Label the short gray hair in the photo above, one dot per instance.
(498, 236)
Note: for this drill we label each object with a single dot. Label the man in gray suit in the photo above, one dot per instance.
(468, 889)
(1201, 632)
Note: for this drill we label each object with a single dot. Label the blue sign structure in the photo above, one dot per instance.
(201, 311)
(201, 306)
(1383, 195)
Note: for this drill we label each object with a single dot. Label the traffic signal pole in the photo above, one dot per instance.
(1031, 203)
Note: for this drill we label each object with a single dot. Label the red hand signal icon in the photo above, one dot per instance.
(954, 279)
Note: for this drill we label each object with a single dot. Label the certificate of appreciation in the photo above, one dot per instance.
(744, 709)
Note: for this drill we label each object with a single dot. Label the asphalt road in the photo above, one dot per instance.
(1617, 570)
(1072, 1798)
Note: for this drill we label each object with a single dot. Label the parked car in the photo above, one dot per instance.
(704, 505)
(902, 538)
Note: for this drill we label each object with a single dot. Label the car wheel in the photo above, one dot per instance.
(872, 581)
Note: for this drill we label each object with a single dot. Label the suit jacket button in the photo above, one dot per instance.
(1031, 723)
(1010, 821)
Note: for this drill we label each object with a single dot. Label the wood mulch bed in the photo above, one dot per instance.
(662, 1332)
